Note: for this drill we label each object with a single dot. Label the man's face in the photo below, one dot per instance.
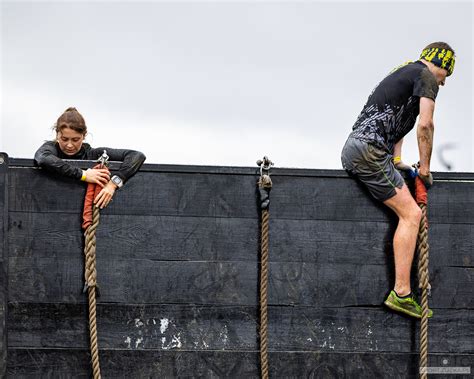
(440, 75)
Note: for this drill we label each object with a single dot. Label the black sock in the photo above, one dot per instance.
(403, 297)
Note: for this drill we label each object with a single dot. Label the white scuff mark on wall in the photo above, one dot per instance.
(174, 343)
(331, 345)
(373, 345)
(128, 341)
(164, 322)
(138, 342)
(223, 335)
(138, 323)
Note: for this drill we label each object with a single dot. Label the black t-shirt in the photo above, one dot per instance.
(392, 107)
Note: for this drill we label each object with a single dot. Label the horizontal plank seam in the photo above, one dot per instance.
(229, 261)
(177, 351)
(227, 305)
(105, 215)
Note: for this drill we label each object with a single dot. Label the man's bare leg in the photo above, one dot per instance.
(404, 240)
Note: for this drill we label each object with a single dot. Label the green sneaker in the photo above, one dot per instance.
(408, 306)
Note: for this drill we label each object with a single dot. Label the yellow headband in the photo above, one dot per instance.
(443, 58)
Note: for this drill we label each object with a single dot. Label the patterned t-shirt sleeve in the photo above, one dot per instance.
(425, 85)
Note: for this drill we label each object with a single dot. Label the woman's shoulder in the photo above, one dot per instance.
(47, 149)
(48, 145)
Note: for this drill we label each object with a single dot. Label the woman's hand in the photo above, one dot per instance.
(105, 195)
(100, 176)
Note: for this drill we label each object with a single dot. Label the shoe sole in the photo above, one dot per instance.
(400, 309)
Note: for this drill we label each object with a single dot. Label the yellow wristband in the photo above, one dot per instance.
(83, 178)
(397, 159)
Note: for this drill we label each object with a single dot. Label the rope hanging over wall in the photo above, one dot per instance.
(91, 217)
(421, 197)
(264, 187)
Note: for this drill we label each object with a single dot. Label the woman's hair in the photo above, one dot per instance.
(71, 119)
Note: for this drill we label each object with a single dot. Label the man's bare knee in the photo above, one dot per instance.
(414, 215)
(418, 214)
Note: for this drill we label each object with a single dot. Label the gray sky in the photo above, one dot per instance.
(224, 83)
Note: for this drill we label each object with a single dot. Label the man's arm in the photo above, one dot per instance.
(397, 160)
(425, 131)
(397, 149)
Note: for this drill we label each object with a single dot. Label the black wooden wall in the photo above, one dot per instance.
(3, 261)
(178, 272)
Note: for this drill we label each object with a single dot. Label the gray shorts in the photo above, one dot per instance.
(373, 167)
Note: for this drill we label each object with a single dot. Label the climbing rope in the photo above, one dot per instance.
(423, 275)
(91, 285)
(264, 187)
(91, 218)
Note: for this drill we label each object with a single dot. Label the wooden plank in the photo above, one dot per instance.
(213, 195)
(133, 237)
(3, 261)
(60, 279)
(229, 239)
(192, 327)
(33, 363)
(451, 244)
(172, 194)
(134, 281)
(52, 192)
(346, 285)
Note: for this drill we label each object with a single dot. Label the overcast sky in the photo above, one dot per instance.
(224, 83)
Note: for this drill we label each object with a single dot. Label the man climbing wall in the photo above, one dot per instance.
(372, 152)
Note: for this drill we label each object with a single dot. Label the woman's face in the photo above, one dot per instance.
(69, 141)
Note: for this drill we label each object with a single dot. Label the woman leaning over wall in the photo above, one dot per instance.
(71, 131)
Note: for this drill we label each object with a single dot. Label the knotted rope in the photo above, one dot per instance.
(91, 217)
(264, 187)
(423, 274)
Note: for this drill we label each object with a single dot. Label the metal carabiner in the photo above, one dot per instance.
(265, 165)
(103, 159)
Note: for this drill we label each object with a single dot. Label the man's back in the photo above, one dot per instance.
(392, 108)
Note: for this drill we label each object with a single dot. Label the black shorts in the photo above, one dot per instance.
(373, 167)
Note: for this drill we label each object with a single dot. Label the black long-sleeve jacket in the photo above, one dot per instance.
(50, 157)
